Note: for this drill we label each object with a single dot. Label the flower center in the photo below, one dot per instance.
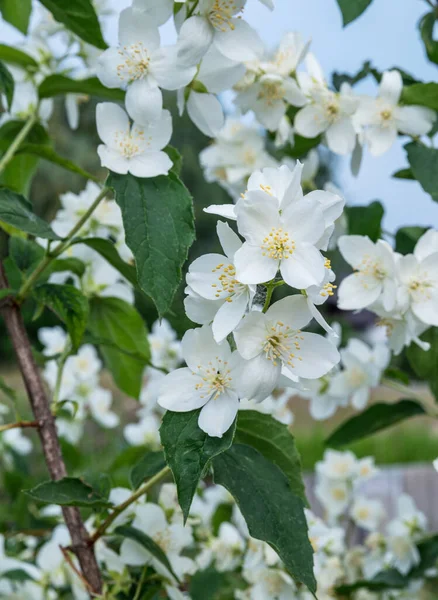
(339, 494)
(221, 15)
(271, 91)
(227, 285)
(386, 114)
(274, 583)
(214, 380)
(277, 244)
(356, 377)
(129, 143)
(135, 64)
(363, 513)
(420, 287)
(371, 268)
(282, 344)
(163, 539)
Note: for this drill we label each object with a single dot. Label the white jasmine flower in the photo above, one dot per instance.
(273, 343)
(211, 381)
(322, 403)
(144, 433)
(401, 329)
(213, 278)
(337, 465)
(157, 12)
(334, 495)
(99, 403)
(227, 548)
(133, 149)
(365, 469)
(419, 286)
(383, 118)
(165, 347)
(374, 265)
(403, 553)
(141, 66)
(217, 21)
(268, 583)
(367, 513)
(53, 339)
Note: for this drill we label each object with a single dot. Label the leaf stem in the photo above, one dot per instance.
(19, 425)
(21, 136)
(140, 584)
(270, 287)
(192, 10)
(61, 364)
(124, 505)
(430, 408)
(27, 285)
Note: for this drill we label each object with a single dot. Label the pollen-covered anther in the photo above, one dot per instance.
(277, 244)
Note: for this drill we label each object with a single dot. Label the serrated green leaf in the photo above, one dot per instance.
(109, 252)
(47, 153)
(212, 585)
(271, 510)
(189, 451)
(274, 440)
(427, 25)
(80, 17)
(366, 220)
(13, 56)
(68, 491)
(375, 418)
(421, 94)
(149, 465)
(424, 362)
(352, 9)
(55, 85)
(407, 237)
(159, 225)
(424, 165)
(70, 264)
(147, 543)
(120, 323)
(69, 304)
(6, 84)
(17, 211)
(26, 254)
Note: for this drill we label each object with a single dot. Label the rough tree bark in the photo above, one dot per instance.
(49, 437)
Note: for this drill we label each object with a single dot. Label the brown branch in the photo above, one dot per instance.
(74, 568)
(48, 435)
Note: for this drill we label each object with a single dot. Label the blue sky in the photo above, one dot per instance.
(387, 35)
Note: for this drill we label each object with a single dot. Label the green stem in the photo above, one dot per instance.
(27, 285)
(140, 584)
(430, 408)
(61, 364)
(21, 136)
(19, 425)
(121, 507)
(192, 10)
(269, 292)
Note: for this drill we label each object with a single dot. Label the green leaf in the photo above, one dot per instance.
(17, 57)
(6, 84)
(159, 225)
(17, 575)
(367, 69)
(26, 254)
(427, 25)
(80, 17)
(9, 392)
(352, 9)
(424, 363)
(4, 293)
(422, 94)
(424, 165)
(148, 543)
(365, 220)
(149, 465)
(212, 585)
(17, 211)
(17, 13)
(67, 492)
(176, 158)
(56, 85)
(274, 440)
(61, 265)
(47, 153)
(396, 375)
(302, 146)
(189, 451)
(272, 511)
(69, 304)
(109, 252)
(407, 237)
(122, 326)
(375, 418)
(404, 174)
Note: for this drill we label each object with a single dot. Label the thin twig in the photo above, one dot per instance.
(74, 568)
(124, 505)
(18, 425)
(21, 136)
(28, 284)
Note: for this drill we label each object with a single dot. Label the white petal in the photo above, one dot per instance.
(318, 356)
(195, 38)
(283, 183)
(270, 113)
(229, 240)
(293, 94)
(135, 27)
(157, 134)
(310, 121)
(167, 70)
(251, 335)
(150, 518)
(391, 86)
(199, 310)
(427, 311)
(415, 120)
(317, 315)
(112, 160)
(219, 413)
(341, 136)
(304, 267)
(427, 244)
(219, 73)
(200, 348)
(242, 43)
(332, 204)
(257, 214)
(203, 275)
(354, 247)
(360, 398)
(158, 12)
(144, 102)
(229, 316)
(304, 220)
(106, 69)
(134, 555)
(258, 378)
(380, 139)
(252, 267)
(228, 211)
(292, 311)
(178, 391)
(150, 164)
(206, 112)
(357, 292)
(111, 119)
